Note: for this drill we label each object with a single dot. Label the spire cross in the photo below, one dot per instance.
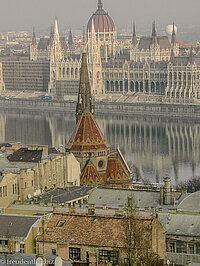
(100, 5)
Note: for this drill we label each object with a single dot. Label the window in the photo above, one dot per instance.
(101, 164)
(60, 224)
(22, 248)
(191, 248)
(108, 256)
(181, 247)
(198, 248)
(4, 242)
(4, 191)
(53, 251)
(171, 247)
(75, 253)
(1, 194)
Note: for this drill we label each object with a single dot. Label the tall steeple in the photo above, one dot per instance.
(34, 41)
(154, 34)
(173, 40)
(134, 39)
(85, 104)
(56, 33)
(70, 41)
(100, 5)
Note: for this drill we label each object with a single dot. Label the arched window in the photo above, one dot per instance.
(112, 85)
(146, 86)
(136, 86)
(162, 88)
(121, 85)
(152, 86)
(76, 73)
(126, 85)
(107, 86)
(132, 86)
(141, 86)
(116, 86)
(157, 86)
(72, 72)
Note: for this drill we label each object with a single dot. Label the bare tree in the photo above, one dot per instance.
(138, 240)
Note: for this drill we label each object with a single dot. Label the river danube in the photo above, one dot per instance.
(158, 147)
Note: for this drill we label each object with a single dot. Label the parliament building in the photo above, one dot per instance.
(151, 66)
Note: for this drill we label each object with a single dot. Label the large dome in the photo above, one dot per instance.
(102, 21)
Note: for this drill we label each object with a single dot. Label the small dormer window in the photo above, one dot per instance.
(60, 224)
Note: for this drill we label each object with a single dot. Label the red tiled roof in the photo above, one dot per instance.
(87, 135)
(117, 169)
(95, 230)
(90, 175)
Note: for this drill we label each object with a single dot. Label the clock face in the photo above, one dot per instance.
(101, 164)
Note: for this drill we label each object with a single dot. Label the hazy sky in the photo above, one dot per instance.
(24, 14)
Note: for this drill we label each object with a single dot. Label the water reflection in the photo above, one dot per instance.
(157, 146)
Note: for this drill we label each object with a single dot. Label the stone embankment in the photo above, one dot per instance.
(105, 107)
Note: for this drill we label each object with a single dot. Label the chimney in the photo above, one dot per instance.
(162, 196)
(167, 191)
(91, 211)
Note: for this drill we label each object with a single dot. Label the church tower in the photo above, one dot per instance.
(84, 96)
(173, 40)
(154, 34)
(88, 144)
(33, 47)
(134, 38)
(70, 42)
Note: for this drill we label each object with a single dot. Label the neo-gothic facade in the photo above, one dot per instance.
(153, 65)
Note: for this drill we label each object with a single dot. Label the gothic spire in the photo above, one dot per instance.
(154, 34)
(34, 41)
(85, 104)
(134, 39)
(70, 41)
(173, 40)
(56, 33)
(100, 5)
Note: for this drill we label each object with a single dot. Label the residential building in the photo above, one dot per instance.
(28, 172)
(18, 232)
(88, 238)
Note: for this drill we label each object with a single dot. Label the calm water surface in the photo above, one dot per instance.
(157, 146)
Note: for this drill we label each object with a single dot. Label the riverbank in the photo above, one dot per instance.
(104, 107)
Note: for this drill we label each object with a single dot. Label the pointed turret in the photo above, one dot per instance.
(154, 34)
(134, 39)
(100, 5)
(173, 40)
(56, 33)
(70, 41)
(85, 104)
(34, 41)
